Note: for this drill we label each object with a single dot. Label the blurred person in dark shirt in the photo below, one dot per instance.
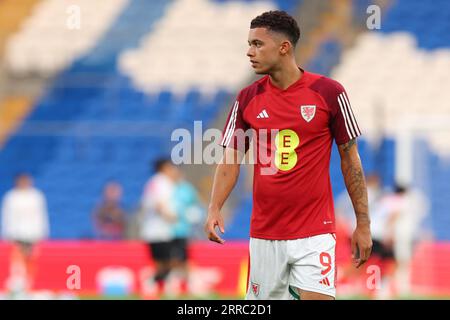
(109, 216)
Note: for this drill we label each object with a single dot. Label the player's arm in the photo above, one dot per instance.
(356, 186)
(225, 177)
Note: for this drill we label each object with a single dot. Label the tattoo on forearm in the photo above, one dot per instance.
(356, 187)
(348, 145)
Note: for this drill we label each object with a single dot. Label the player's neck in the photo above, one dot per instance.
(286, 75)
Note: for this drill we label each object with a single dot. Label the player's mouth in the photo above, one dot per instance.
(254, 63)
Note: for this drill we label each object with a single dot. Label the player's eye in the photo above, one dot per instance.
(255, 43)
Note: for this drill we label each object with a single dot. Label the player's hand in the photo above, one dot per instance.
(361, 244)
(213, 220)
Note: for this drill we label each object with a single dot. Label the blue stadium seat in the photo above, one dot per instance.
(414, 16)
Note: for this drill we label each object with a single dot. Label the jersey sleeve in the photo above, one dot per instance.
(235, 132)
(343, 125)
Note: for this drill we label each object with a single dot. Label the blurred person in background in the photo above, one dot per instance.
(411, 208)
(389, 220)
(25, 223)
(157, 217)
(190, 213)
(109, 216)
(396, 228)
(384, 215)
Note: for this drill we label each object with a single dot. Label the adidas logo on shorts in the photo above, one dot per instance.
(325, 281)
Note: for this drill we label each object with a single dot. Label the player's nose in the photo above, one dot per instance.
(250, 52)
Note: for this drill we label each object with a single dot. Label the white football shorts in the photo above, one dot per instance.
(279, 267)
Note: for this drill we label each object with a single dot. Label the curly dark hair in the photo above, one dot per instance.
(278, 21)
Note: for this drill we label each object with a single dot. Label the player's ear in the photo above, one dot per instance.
(285, 46)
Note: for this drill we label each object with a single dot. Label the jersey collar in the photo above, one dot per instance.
(299, 83)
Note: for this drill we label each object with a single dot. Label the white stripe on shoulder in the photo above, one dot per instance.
(233, 126)
(230, 121)
(344, 115)
(349, 118)
(351, 125)
(355, 124)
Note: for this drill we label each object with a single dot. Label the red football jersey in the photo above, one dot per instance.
(293, 131)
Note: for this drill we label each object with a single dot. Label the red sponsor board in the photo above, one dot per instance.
(228, 262)
(430, 269)
(5, 254)
(214, 268)
(220, 269)
(56, 262)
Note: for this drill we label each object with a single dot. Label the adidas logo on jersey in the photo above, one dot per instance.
(263, 115)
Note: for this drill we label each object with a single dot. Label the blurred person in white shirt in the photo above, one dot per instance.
(24, 223)
(158, 217)
(411, 208)
(402, 213)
